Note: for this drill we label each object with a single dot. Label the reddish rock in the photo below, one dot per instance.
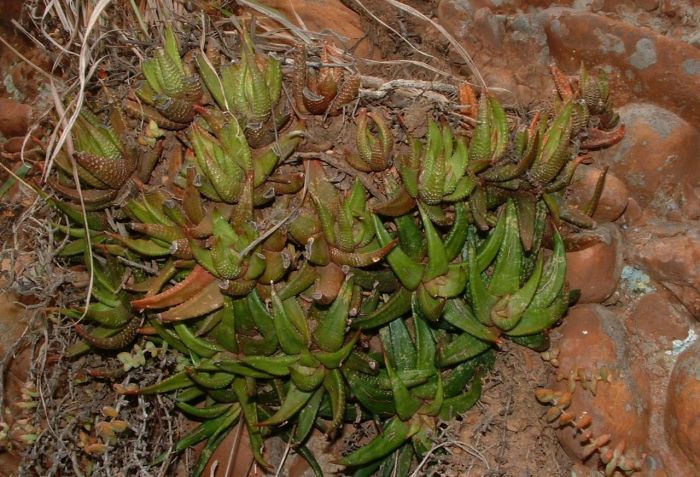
(657, 159)
(690, 201)
(329, 15)
(683, 412)
(510, 6)
(241, 462)
(642, 61)
(592, 338)
(639, 349)
(657, 325)
(613, 6)
(580, 470)
(502, 84)
(519, 72)
(14, 118)
(657, 319)
(647, 5)
(689, 296)
(489, 27)
(13, 145)
(459, 9)
(596, 269)
(613, 200)
(633, 215)
(650, 66)
(670, 253)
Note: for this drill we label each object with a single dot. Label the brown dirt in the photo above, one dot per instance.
(505, 433)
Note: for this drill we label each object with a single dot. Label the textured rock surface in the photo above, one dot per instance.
(593, 338)
(596, 269)
(651, 66)
(683, 412)
(657, 319)
(670, 253)
(643, 404)
(518, 73)
(659, 328)
(613, 201)
(650, 56)
(657, 160)
(14, 118)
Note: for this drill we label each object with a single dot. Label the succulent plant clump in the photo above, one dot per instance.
(297, 302)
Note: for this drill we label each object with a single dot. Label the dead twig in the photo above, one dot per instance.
(377, 88)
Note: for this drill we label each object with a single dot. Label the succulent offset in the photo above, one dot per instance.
(296, 304)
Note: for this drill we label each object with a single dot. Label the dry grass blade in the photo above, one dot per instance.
(83, 75)
(234, 448)
(465, 447)
(57, 7)
(139, 17)
(455, 44)
(296, 15)
(23, 30)
(88, 240)
(287, 448)
(278, 17)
